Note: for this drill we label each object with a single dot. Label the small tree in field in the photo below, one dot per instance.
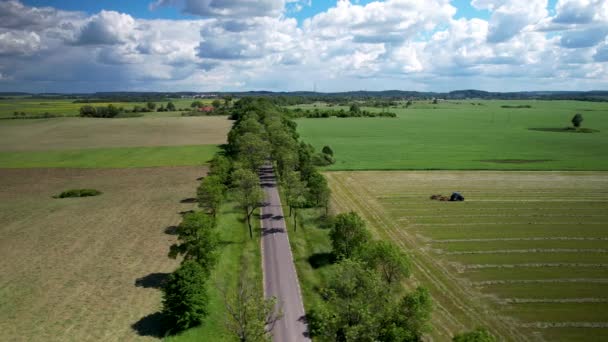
(327, 150)
(577, 120)
(185, 300)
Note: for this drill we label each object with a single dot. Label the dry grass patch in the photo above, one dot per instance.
(79, 133)
(86, 268)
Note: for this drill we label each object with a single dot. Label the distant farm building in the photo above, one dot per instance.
(206, 109)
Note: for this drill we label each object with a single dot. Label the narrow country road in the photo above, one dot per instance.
(280, 278)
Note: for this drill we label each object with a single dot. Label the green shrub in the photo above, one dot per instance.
(78, 193)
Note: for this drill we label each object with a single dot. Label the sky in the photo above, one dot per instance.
(77, 46)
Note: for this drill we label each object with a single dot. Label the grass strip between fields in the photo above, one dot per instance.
(238, 253)
(121, 157)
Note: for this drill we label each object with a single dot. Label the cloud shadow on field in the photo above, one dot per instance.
(152, 280)
(319, 260)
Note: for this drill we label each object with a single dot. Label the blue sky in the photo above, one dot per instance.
(225, 45)
(140, 9)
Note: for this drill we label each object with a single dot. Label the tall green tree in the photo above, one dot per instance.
(355, 305)
(319, 190)
(197, 240)
(220, 167)
(151, 106)
(170, 106)
(185, 299)
(385, 257)
(409, 320)
(211, 193)
(216, 103)
(250, 318)
(248, 192)
(253, 150)
(348, 235)
(296, 198)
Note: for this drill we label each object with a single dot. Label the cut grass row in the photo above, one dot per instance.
(535, 258)
(524, 273)
(553, 290)
(120, 157)
(518, 245)
(513, 231)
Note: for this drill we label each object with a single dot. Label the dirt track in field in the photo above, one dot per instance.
(87, 269)
(79, 133)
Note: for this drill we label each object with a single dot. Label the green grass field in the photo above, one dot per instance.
(526, 254)
(69, 108)
(457, 135)
(119, 157)
(110, 143)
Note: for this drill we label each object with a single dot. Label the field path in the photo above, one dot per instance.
(280, 277)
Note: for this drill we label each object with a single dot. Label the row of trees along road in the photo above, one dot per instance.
(362, 300)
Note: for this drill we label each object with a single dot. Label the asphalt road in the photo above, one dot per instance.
(280, 278)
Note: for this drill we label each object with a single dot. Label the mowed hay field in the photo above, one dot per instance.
(87, 269)
(458, 135)
(525, 255)
(132, 142)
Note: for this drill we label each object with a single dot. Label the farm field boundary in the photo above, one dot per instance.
(492, 273)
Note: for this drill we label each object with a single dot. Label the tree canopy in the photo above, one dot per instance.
(197, 240)
(185, 300)
(348, 235)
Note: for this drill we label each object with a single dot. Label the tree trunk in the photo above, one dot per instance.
(295, 221)
(249, 223)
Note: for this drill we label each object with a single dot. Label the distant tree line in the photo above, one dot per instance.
(112, 111)
(355, 111)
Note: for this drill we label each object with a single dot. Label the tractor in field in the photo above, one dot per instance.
(456, 197)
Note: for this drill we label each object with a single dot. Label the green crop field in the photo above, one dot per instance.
(526, 254)
(118, 157)
(457, 135)
(63, 107)
(107, 143)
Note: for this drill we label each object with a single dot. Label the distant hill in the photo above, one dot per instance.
(596, 95)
